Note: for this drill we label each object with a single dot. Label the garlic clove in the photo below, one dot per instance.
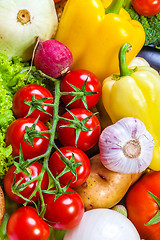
(126, 146)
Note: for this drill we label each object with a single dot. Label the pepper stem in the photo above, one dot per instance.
(114, 7)
(124, 70)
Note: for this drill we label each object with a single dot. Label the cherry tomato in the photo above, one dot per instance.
(15, 133)
(77, 78)
(146, 8)
(141, 206)
(88, 138)
(56, 165)
(25, 224)
(34, 170)
(20, 109)
(65, 212)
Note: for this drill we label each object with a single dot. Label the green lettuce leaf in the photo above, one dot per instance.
(13, 74)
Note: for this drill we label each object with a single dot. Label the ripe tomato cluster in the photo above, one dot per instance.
(78, 130)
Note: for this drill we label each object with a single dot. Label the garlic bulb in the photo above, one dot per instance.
(126, 146)
(22, 21)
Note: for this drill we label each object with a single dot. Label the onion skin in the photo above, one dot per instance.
(103, 224)
(53, 58)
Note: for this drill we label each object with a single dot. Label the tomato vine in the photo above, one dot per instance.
(23, 164)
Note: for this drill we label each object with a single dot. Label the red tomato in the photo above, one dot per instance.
(56, 165)
(87, 139)
(20, 109)
(146, 8)
(25, 224)
(77, 78)
(34, 170)
(57, 1)
(15, 134)
(141, 206)
(65, 212)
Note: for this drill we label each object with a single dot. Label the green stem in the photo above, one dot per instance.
(65, 160)
(114, 7)
(127, 3)
(76, 123)
(124, 70)
(46, 104)
(73, 93)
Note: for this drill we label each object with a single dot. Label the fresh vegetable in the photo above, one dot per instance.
(145, 213)
(104, 188)
(121, 209)
(60, 170)
(135, 93)
(31, 146)
(53, 58)
(92, 34)
(29, 136)
(25, 224)
(104, 117)
(102, 224)
(138, 61)
(151, 55)
(126, 146)
(146, 8)
(151, 25)
(79, 127)
(6, 117)
(26, 20)
(33, 171)
(12, 77)
(84, 82)
(66, 211)
(2, 205)
(22, 105)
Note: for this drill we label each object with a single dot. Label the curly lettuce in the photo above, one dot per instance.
(13, 75)
(6, 117)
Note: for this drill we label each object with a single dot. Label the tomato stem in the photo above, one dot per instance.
(30, 134)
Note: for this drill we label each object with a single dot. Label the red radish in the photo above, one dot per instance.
(53, 58)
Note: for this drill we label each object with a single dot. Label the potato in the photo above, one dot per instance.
(2, 205)
(104, 188)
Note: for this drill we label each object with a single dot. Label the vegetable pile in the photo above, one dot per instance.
(79, 122)
(151, 24)
(12, 77)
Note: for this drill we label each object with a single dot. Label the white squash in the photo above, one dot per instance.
(22, 21)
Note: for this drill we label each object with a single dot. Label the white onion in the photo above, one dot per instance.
(22, 21)
(126, 146)
(137, 62)
(103, 224)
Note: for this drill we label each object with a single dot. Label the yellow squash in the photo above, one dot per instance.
(95, 34)
(135, 93)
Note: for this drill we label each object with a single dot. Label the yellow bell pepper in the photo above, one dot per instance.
(95, 34)
(135, 93)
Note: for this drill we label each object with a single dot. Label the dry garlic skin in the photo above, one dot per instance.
(22, 21)
(126, 146)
